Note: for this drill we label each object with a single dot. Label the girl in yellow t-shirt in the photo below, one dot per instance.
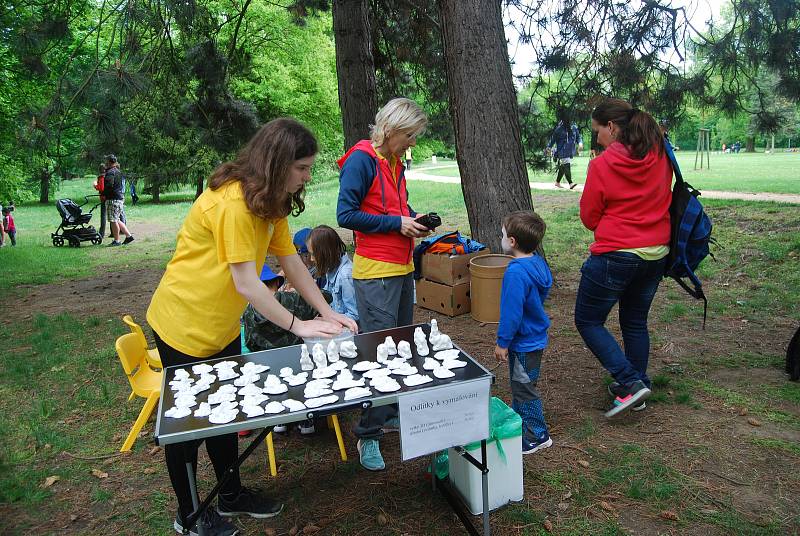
(214, 274)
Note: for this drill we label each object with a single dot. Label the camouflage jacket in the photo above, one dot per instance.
(261, 334)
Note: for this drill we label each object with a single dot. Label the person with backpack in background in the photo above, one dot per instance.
(565, 141)
(114, 192)
(625, 202)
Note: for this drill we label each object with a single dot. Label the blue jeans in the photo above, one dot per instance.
(632, 281)
(524, 369)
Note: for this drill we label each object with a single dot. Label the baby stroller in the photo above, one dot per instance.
(73, 224)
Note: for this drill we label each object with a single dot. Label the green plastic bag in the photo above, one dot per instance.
(504, 423)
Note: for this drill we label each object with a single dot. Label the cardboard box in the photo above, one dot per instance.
(452, 301)
(442, 268)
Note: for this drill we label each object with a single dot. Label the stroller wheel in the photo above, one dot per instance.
(58, 241)
(97, 240)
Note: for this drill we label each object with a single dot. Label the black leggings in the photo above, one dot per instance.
(222, 450)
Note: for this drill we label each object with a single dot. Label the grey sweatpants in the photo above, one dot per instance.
(382, 303)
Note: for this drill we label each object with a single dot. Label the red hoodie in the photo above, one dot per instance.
(626, 201)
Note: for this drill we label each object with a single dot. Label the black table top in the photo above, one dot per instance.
(170, 430)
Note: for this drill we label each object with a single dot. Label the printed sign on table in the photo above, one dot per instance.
(446, 417)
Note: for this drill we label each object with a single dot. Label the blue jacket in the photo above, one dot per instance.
(565, 140)
(339, 283)
(523, 321)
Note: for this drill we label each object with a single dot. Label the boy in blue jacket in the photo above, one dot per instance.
(522, 333)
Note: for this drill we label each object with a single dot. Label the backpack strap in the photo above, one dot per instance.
(696, 293)
(674, 161)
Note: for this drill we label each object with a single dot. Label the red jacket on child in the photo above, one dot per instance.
(626, 201)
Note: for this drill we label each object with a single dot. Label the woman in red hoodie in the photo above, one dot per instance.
(625, 202)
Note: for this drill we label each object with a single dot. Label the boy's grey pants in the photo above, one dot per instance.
(382, 303)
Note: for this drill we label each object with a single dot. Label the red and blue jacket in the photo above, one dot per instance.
(371, 204)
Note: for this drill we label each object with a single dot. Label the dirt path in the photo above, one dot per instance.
(707, 194)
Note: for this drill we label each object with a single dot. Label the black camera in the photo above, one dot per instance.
(431, 220)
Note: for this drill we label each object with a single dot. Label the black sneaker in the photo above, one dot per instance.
(628, 398)
(128, 240)
(115, 243)
(615, 389)
(213, 525)
(249, 502)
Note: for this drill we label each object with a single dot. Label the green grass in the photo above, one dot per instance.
(779, 444)
(743, 172)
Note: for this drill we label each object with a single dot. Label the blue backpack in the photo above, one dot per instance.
(690, 235)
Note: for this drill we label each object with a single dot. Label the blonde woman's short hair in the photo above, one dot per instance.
(398, 114)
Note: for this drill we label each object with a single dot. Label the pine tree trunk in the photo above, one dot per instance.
(355, 68)
(483, 105)
(155, 188)
(750, 145)
(44, 186)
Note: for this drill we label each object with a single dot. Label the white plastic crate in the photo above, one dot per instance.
(505, 477)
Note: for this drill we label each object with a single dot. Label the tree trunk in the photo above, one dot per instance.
(355, 69)
(44, 186)
(155, 188)
(200, 184)
(483, 105)
(750, 145)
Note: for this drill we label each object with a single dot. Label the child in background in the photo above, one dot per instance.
(334, 269)
(8, 225)
(522, 332)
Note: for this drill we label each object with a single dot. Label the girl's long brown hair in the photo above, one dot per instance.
(262, 167)
(638, 129)
(327, 248)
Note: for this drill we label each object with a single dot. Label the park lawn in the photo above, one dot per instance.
(743, 172)
(63, 397)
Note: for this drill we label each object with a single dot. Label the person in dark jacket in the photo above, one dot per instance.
(114, 192)
(565, 142)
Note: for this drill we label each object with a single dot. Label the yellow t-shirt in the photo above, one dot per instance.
(364, 268)
(649, 253)
(196, 307)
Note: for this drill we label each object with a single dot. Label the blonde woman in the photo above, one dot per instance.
(373, 202)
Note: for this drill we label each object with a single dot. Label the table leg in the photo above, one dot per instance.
(195, 499)
(487, 530)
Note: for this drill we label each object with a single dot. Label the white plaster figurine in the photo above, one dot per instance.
(318, 354)
(404, 349)
(348, 350)
(391, 347)
(305, 360)
(333, 352)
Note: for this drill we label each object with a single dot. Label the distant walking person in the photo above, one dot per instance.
(114, 192)
(565, 140)
(625, 202)
(409, 159)
(8, 225)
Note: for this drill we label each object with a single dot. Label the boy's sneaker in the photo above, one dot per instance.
(280, 429)
(369, 452)
(245, 433)
(628, 398)
(213, 525)
(615, 389)
(307, 427)
(249, 502)
(557, 185)
(127, 240)
(115, 243)
(529, 447)
(392, 425)
(573, 185)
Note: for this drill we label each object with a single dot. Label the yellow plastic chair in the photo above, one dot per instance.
(333, 422)
(153, 359)
(144, 381)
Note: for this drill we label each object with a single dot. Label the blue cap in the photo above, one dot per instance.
(268, 275)
(300, 238)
